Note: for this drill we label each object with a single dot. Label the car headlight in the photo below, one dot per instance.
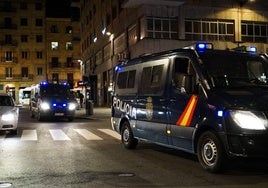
(44, 106)
(248, 120)
(8, 116)
(72, 106)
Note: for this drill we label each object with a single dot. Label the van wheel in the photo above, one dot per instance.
(127, 137)
(210, 152)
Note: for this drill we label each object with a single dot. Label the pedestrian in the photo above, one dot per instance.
(81, 98)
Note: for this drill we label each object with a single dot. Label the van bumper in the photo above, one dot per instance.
(251, 145)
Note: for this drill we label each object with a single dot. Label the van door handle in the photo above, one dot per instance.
(172, 100)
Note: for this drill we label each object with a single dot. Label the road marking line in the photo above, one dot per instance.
(87, 134)
(58, 134)
(111, 133)
(29, 135)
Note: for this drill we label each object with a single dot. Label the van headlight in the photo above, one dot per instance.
(249, 120)
(72, 106)
(44, 106)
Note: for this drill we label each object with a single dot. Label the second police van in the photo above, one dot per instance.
(212, 103)
(52, 100)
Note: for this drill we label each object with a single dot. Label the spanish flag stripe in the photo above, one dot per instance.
(187, 115)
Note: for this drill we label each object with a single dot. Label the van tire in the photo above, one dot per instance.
(127, 137)
(210, 152)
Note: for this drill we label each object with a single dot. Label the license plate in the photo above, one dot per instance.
(59, 114)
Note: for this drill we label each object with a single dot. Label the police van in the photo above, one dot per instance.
(52, 100)
(212, 103)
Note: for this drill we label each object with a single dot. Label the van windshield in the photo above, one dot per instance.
(54, 90)
(233, 70)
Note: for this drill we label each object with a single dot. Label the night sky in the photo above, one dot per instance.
(58, 8)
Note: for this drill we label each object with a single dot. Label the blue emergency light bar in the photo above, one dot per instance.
(203, 46)
(200, 46)
(117, 68)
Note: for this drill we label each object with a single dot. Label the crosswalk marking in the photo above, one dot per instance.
(111, 133)
(58, 134)
(29, 135)
(87, 135)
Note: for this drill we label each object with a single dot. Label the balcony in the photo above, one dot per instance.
(7, 8)
(8, 43)
(65, 65)
(16, 77)
(8, 26)
(5, 60)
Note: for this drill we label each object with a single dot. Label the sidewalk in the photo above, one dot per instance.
(98, 113)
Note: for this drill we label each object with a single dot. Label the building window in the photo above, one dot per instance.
(55, 62)
(23, 21)
(209, 30)
(163, 28)
(69, 29)
(69, 61)
(38, 6)
(39, 38)
(24, 38)
(24, 72)
(8, 22)
(39, 71)
(55, 77)
(54, 29)
(54, 45)
(69, 46)
(254, 31)
(8, 39)
(38, 22)
(9, 56)
(24, 55)
(39, 54)
(9, 72)
(23, 6)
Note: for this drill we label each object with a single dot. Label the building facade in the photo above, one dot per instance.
(117, 29)
(22, 44)
(34, 48)
(63, 51)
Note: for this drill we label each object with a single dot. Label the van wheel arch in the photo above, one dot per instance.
(127, 136)
(214, 157)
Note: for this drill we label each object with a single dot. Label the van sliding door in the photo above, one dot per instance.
(151, 106)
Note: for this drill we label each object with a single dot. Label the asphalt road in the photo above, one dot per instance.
(86, 153)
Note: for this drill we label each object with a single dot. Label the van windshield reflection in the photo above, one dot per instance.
(224, 70)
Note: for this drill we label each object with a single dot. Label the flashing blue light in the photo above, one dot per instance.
(117, 68)
(203, 46)
(252, 49)
(64, 104)
(54, 104)
(220, 113)
(43, 83)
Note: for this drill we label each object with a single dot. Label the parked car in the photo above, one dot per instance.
(9, 114)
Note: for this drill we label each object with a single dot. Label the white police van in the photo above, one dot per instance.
(213, 103)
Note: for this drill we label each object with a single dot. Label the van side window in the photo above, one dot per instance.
(126, 79)
(151, 79)
(184, 75)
